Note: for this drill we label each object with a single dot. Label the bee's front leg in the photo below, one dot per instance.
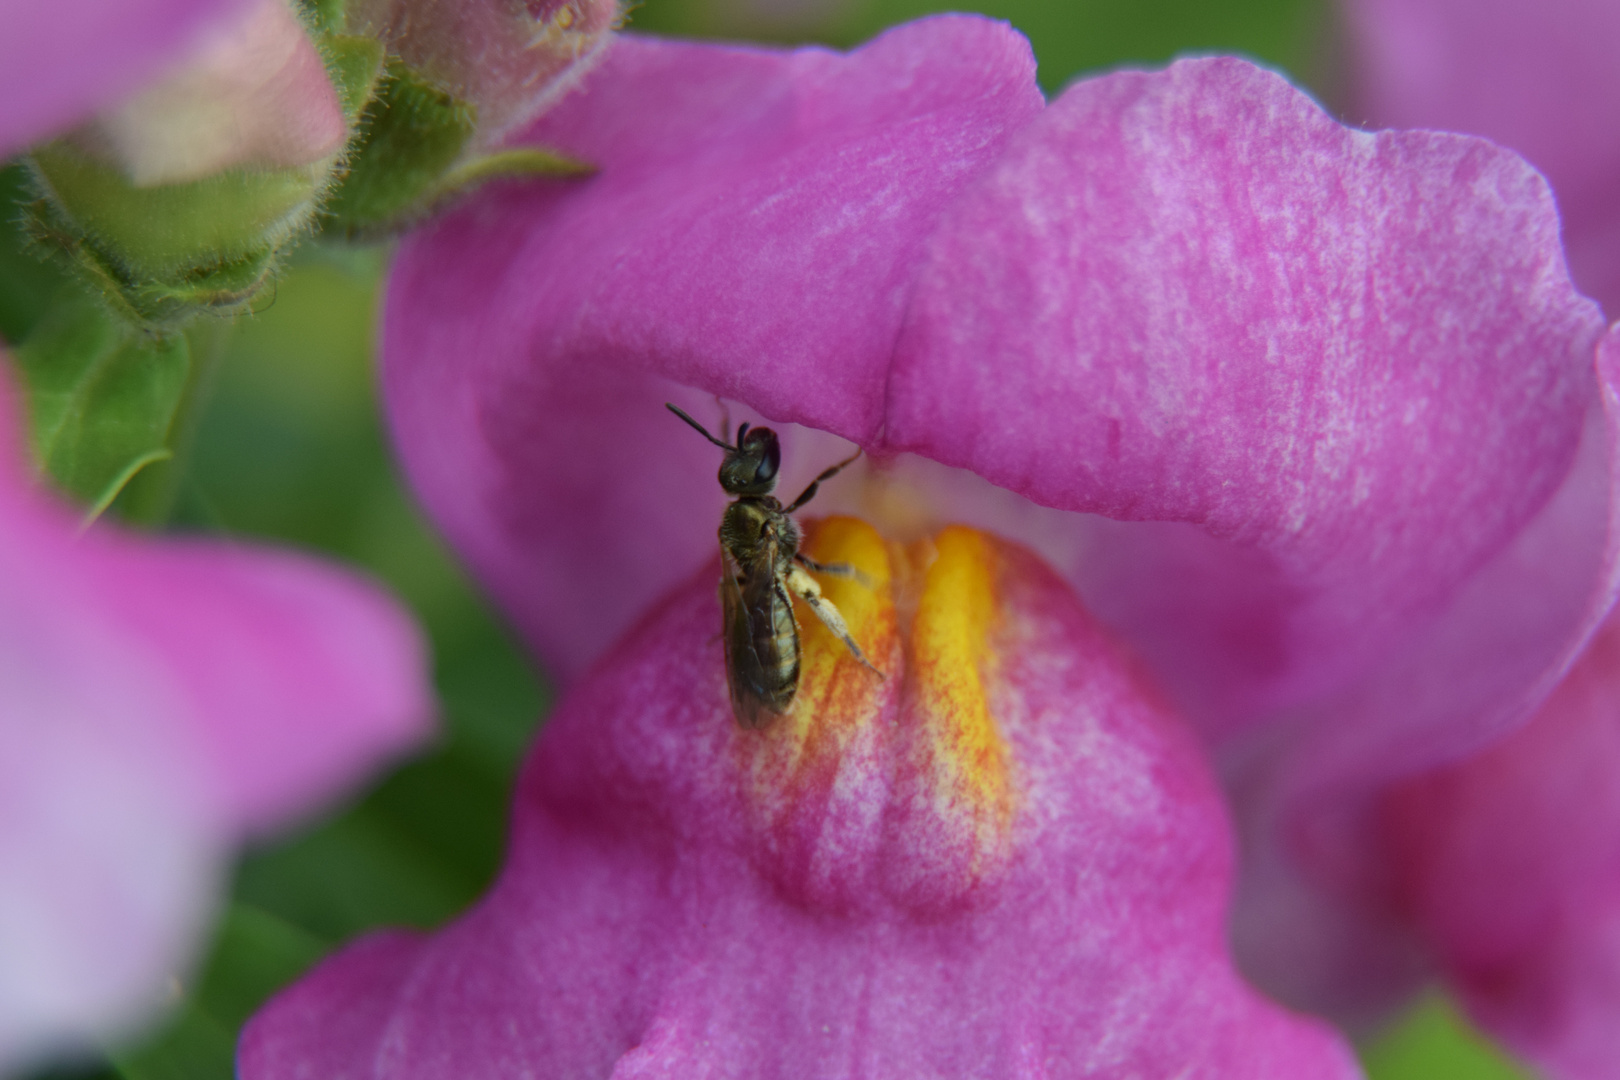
(837, 569)
(805, 588)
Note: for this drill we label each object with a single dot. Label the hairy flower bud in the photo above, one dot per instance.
(460, 77)
(506, 58)
(184, 198)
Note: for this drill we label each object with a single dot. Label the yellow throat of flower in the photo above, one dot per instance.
(907, 777)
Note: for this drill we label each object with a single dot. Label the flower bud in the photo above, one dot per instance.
(460, 77)
(183, 198)
(255, 95)
(507, 59)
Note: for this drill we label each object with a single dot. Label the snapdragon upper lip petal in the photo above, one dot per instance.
(160, 700)
(1539, 78)
(61, 61)
(1004, 860)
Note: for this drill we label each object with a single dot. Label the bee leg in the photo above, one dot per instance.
(826, 474)
(836, 569)
(805, 588)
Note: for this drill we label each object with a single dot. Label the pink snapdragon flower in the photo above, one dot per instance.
(1310, 417)
(160, 701)
(1538, 76)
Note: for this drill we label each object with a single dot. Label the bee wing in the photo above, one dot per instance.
(761, 639)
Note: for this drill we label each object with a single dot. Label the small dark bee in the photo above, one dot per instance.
(763, 570)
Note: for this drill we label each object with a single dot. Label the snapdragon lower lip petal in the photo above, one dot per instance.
(161, 700)
(1004, 859)
(1539, 78)
(61, 61)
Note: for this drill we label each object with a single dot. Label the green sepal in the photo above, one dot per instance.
(159, 255)
(322, 16)
(354, 65)
(102, 399)
(412, 132)
(29, 281)
(523, 161)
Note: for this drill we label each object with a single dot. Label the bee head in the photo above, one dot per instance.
(750, 467)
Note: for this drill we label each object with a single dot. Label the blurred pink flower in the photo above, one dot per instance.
(1002, 860)
(1310, 417)
(1538, 76)
(160, 701)
(1508, 864)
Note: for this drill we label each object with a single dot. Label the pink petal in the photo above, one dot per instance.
(1509, 864)
(62, 60)
(1537, 77)
(159, 700)
(753, 232)
(1315, 924)
(651, 922)
(1209, 303)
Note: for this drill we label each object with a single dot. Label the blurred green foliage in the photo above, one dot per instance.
(1069, 36)
(1434, 1042)
(285, 443)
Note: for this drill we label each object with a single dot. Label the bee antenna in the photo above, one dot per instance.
(700, 428)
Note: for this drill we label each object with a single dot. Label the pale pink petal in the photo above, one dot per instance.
(1535, 75)
(159, 701)
(253, 94)
(62, 60)
(652, 923)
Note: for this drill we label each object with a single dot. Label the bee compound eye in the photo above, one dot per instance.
(772, 461)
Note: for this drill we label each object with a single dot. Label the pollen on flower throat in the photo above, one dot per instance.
(901, 787)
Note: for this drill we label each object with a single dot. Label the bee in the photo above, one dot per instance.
(763, 570)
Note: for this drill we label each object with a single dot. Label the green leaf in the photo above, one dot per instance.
(1434, 1042)
(102, 399)
(254, 955)
(1069, 36)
